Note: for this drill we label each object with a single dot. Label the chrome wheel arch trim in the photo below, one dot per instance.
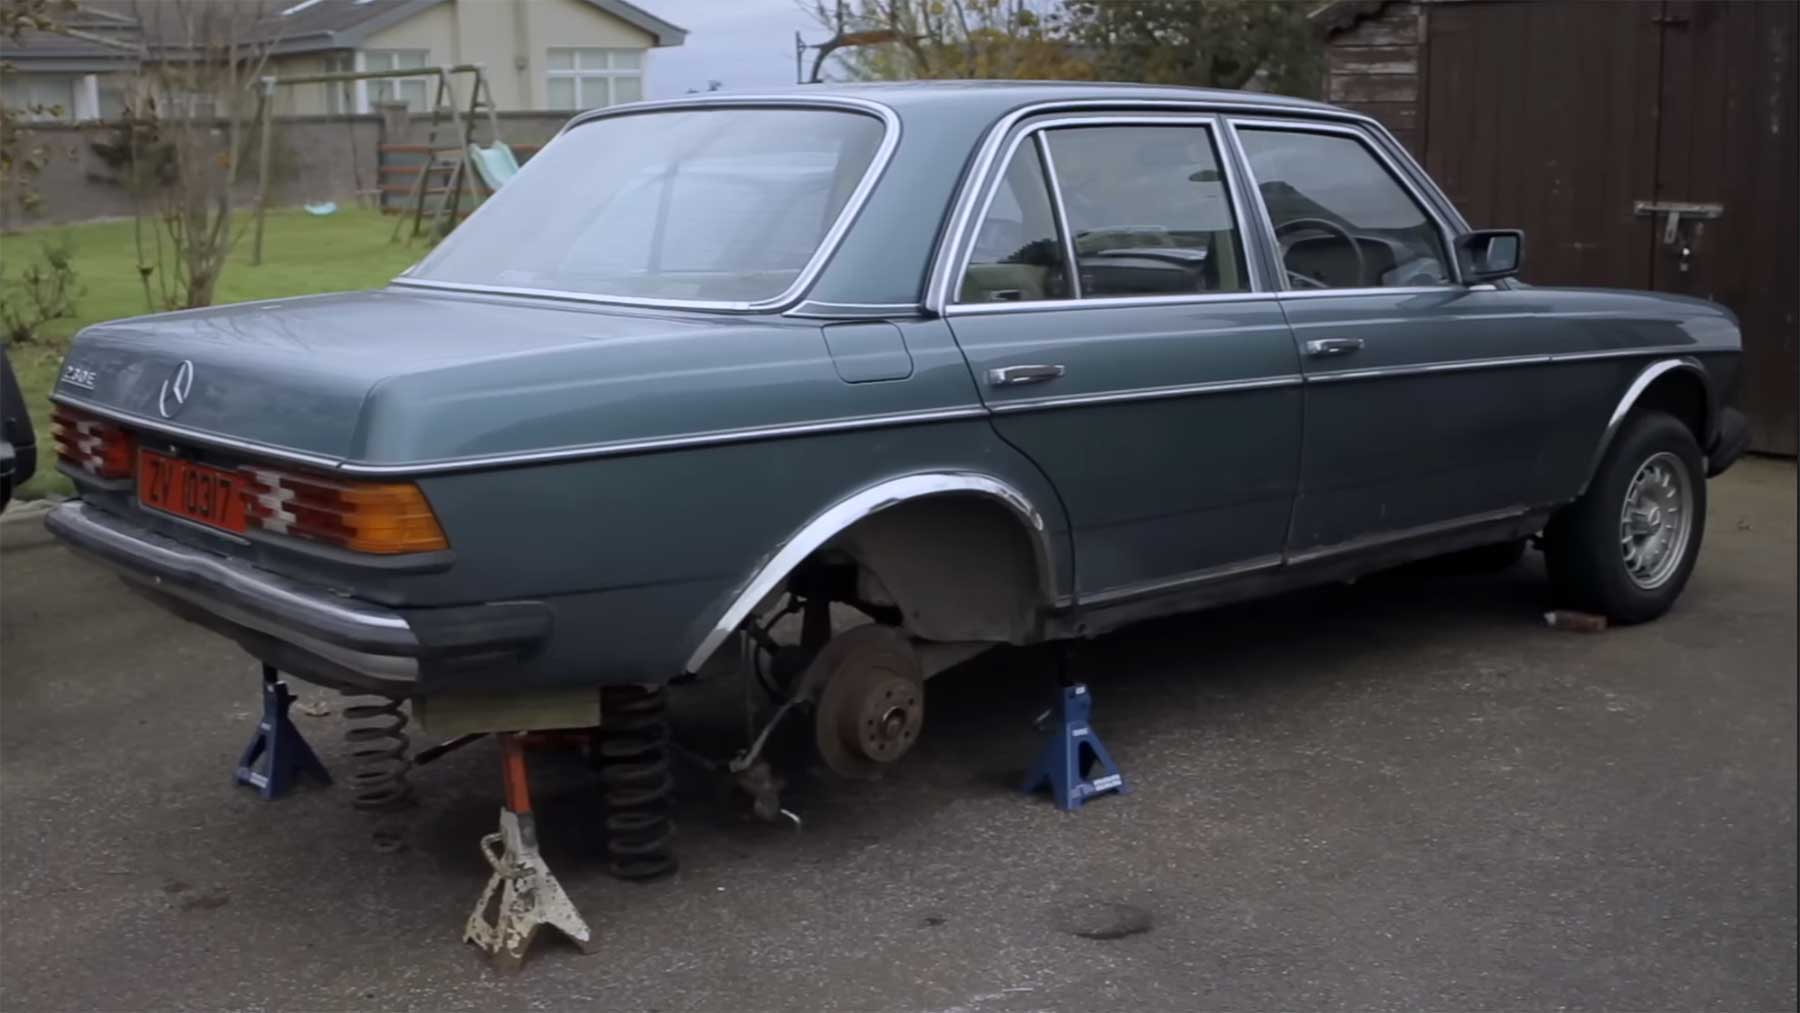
(842, 515)
(1647, 376)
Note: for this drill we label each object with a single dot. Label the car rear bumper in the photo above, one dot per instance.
(300, 628)
(1731, 442)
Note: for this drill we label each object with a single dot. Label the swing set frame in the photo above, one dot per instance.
(444, 101)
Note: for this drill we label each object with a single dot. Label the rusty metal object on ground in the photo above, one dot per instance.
(1575, 622)
(521, 895)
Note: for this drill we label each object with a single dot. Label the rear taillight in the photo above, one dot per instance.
(381, 517)
(94, 445)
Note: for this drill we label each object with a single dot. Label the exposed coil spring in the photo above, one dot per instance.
(379, 754)
(633, 755)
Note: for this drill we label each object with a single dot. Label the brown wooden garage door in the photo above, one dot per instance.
(1562, 117)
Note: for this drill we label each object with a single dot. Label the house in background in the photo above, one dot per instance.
(60, 77)
(538, 54)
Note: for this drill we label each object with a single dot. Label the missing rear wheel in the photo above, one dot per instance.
(871, 700)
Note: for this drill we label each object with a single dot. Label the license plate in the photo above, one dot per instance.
(191, 491)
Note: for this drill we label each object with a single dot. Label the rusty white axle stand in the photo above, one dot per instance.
(522, 894)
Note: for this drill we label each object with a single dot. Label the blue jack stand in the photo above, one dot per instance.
(289, 755)
(1073, 754)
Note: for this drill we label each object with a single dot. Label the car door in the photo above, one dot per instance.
(1424, 397)
(1157, 384)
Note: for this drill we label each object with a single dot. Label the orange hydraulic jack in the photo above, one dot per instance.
(522, 894)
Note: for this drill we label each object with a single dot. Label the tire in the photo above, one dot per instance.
(1632, 569)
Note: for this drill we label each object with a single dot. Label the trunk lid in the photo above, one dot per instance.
(297, 374)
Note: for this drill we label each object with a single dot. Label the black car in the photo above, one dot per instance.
(18, 446)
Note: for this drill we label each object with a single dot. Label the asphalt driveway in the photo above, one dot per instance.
(1399, 795)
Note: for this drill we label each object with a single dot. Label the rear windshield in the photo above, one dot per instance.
(715, 205)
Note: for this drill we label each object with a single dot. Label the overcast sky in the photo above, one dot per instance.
(746, 44)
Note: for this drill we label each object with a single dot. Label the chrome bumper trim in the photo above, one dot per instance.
(241, 594)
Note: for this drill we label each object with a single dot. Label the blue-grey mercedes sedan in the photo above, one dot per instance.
(985, 363)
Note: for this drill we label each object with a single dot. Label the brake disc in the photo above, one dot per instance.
(871, 700)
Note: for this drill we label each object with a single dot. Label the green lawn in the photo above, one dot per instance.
(302, 254)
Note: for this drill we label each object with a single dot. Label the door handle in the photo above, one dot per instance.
(1008, 376)
(1320, 348)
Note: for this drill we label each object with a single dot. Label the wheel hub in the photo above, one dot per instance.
(871, 707)
(886, 716)
(1656, 520)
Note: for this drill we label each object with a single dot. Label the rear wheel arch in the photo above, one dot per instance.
(877, 525)
(958, 567)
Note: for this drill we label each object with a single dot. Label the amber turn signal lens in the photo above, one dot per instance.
(94, 445)
(376, 517)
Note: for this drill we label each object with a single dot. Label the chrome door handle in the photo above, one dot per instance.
(1007, 376)
(1323, 347)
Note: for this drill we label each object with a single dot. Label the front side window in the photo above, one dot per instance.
(582, 78)
(414, 91)
(1149, 210)
(1018, 256)
(710, 205)
(1341, 219)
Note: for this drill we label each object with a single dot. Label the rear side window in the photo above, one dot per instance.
(1341, 220)
(1018, 255)
(1149, 210)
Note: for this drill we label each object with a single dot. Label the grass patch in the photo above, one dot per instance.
(302, 255)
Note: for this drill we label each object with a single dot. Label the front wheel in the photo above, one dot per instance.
(1626, 547)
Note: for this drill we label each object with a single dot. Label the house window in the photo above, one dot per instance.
(340, 96)
(411, 90)
(41, 96)
(194, 105)
(590, 78)
(111, 94)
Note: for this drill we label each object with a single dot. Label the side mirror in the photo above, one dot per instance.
(1490, 254)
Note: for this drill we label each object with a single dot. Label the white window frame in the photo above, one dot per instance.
(87, 97)
(365, 99)
(589, 79)
(343, 97)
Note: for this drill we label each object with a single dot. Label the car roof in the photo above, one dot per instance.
(996, 98)
(888, 248)
(1001, 94)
